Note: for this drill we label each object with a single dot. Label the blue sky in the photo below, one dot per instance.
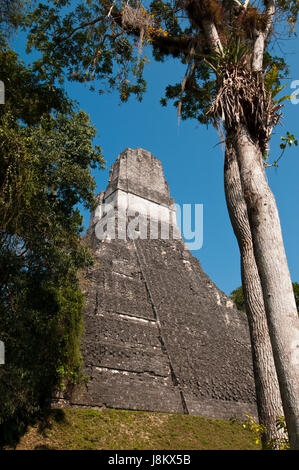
(193, 159)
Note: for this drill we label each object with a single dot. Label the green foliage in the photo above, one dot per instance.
(289, 9)
(283, 443)
(85, 44)
(257, 429)
(26, 97)
(279, 443)
(233, 54)
(90, 42)
(196, 99)
(46, 157)
(289, 140)
(47, 152)
(238, 297)
(11, 14)
(164, 12)
(272, 83)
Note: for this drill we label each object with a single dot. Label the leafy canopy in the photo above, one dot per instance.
(47, 152)
(101, 41)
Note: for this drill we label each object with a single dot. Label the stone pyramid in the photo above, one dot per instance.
(159, 334)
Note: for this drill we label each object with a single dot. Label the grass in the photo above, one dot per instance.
(87, 429)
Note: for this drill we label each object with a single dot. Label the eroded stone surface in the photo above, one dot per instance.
(159, 334)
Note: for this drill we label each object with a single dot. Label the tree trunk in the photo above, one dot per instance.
(267, 389)
(274, 274)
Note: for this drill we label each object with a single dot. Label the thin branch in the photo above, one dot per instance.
(110, 11)
(266, 165)
(81, 26)
(189, 71)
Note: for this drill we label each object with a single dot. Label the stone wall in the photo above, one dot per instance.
(159, 335)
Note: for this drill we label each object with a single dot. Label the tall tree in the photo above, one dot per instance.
(250, 298)
(46, 156)
(230, 80)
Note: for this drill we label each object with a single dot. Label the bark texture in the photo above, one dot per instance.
(267, 388)
(269, 253)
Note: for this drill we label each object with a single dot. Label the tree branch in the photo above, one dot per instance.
(262, 37)
(81, 26)
(270, 12)
(212, 35)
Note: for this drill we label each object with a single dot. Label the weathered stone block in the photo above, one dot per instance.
(159, 335)
(119, 389)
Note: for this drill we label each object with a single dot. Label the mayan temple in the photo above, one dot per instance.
(159, 334)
